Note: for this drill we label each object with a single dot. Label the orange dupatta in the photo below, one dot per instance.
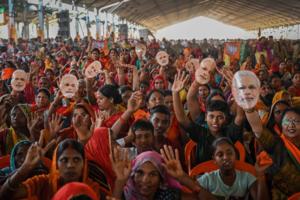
(292, 149)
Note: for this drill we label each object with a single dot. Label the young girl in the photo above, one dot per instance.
(229, 183)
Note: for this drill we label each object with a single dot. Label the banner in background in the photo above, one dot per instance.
(231, 52)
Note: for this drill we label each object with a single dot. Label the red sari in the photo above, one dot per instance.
(98, 149)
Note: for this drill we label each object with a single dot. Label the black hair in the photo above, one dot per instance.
(213, 94)
(74, 144)
(142, 124)
(167, 93)
(271, 121)
(81, 197)
(295, 73)
(294, 110)
(218, 105)
(45, 91)
(153, 91)
(222, 140)
(274, 76)
(97, 50)
(205, 85)
(145, 83)
(111, 91)
(160, 109)
(124, 88)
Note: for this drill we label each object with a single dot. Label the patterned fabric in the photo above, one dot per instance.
(285, 174)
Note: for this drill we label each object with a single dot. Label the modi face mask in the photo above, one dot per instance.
(202, 74)
(162, 58)
(140, 50)
(245, 89)
(19, 79)
(68, 85)
(93, 69)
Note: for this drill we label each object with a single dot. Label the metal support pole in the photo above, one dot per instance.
(98, 33)
(41, 20)
(11, 24)
(77, 22)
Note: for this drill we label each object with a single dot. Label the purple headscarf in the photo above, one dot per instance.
(156, 159)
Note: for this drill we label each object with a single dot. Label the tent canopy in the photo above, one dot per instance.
(246, 14)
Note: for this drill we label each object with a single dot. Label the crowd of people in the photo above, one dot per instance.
(137, 120)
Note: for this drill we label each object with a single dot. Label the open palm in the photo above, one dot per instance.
(172, 162)
(180, 81)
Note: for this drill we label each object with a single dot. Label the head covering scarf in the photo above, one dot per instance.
(74, 189)
(54, 173)
(12, 166)
(278, 96)
(271, 121)
(159, 77)
(156, 159)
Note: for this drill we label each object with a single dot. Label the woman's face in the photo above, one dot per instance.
(159, 84)
(70, 165)
(147, 179)
(278, 110)
(17, 118)
(81, 117)
(225, 156)
(95, 55)
(20, 154)
(265, 90)
(169, 102)
(203, 92)
(291, 125)
(35, 81)
(103, 102)
(155, 99)
(42, 100)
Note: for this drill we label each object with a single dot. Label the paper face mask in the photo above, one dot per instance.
(93, 69)
(202, 74)
(68, 85)
(162, 58)
(140, 50)
(245, 89)
(18, 81)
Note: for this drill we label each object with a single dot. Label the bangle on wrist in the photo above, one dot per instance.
(251, 110)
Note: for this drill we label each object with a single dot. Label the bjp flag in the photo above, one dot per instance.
(231, 52)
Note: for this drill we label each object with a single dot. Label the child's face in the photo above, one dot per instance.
(225, 156)
(215, 120)
(144, 140)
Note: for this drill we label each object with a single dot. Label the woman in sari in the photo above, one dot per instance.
(17, 158)
(275, 116)
(284, 150)
(108, 98)
(150, 176)
(68, 165)
(18, 130)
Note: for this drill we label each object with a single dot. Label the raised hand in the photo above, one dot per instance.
(121, 163)
(33, 156)
(172, 161)
(135, 101)
(32, 122)
(227, 74)
(101, 116)
(180, 81)
(55, 124)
